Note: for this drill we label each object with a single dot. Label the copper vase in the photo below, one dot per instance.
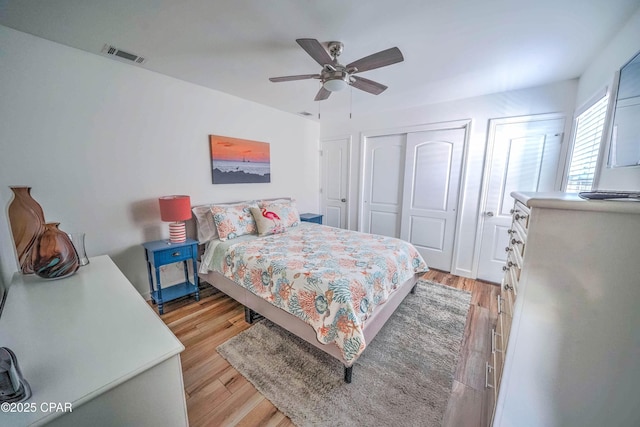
(54, 256)
(27, 223)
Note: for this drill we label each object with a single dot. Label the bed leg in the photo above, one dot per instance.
(248, 315)
(251, 316)
(413, 290)
(347, 374)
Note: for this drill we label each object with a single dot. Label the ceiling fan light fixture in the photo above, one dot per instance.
(335, 85)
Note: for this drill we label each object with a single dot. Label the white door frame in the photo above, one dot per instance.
(349, 139)
(486, 171)
(454, 124)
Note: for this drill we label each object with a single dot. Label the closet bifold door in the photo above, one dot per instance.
(433, 165)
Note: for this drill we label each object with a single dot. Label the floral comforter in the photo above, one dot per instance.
(328, 277)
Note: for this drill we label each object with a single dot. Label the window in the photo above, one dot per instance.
(589, 126)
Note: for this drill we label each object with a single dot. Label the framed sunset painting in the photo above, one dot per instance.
(239, 161)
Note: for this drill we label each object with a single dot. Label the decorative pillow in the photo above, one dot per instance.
(269, 221)
(275, 218)
(289, 214)
(234, 220)
(206, 226)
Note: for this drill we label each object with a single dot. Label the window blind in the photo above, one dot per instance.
(586, 146)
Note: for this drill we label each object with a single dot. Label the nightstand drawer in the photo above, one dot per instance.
(172, 255)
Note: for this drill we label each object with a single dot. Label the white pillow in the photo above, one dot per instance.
(206, 226)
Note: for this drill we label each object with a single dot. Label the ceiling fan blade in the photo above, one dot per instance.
(315, 50)
(291, 78)
(368, 85)
(322, 94)
(377, 60)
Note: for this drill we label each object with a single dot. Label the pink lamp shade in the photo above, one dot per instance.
(175, 209)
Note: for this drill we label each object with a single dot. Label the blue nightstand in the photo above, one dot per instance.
(311, 217)
(161, 252)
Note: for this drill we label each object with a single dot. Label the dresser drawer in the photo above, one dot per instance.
(173, 255)
(498, 366)
(517, 240)
(495, 364)
(505, 316)
(514, 263)
(490, 397)
(521, 214)
(519, 233)
(498, 343)
(511, 284)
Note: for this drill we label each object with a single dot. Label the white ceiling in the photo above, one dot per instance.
(452, 48)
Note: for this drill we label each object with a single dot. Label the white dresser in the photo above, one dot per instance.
(499, 334)
(566, 349)
(91, 341)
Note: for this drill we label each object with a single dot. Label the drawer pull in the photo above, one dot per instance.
(508, 248)
(509, 265)
(499, 305)
(507, 287)
(494, 347)
(516, 242)
(488, 369)
(518, 217)
(175, 254)
(511, 231)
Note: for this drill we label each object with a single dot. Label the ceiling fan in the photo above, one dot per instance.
(335, 76)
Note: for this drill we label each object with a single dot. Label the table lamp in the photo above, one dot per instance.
(175, 209)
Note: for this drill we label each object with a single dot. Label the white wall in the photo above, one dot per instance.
(99, 141)
(599, 75)
(559, 97)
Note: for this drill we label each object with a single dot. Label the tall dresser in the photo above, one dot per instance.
(566, 346)
(499, 334)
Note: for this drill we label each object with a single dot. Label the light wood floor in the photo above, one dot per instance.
(217, 395)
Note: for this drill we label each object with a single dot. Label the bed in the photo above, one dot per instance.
(333, 288)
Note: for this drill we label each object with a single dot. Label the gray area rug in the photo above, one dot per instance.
(404, 377)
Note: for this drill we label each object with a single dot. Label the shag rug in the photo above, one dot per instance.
(404, 377)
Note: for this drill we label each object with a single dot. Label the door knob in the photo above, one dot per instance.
(343, 200)
(489, 213)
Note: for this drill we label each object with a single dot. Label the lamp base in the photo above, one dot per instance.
(177, 232)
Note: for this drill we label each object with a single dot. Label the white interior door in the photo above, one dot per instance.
(335, 181)
(384, 172)
(522, 156)
(431, 187)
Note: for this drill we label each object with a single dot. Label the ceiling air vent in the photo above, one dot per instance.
(119, 53)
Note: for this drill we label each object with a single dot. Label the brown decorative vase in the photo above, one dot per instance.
(27, 223)
(54, 256)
